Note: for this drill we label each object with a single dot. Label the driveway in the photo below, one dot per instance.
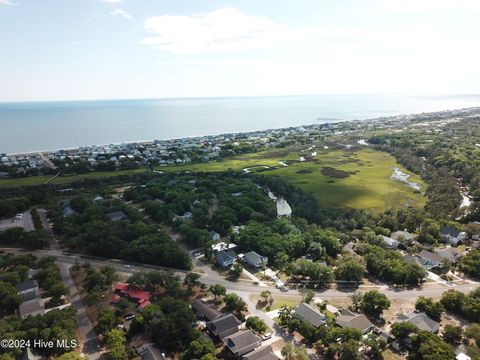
(26, 222)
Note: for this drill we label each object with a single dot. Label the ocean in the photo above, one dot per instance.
(36, 126)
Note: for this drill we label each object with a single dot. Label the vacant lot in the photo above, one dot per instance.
(352, 178)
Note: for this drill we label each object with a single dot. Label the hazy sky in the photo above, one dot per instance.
(96, 49)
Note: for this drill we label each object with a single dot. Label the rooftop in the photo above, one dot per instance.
(311, 315)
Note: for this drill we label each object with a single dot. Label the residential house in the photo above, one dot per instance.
(462, 356)
(263, 353)
(116, 216)
(214, 235)
(403, 237)
(142, 297)
(98, 199)
(349, 247)
(349, 319)
(226, 258)
(28, 290)
(222, 246)
(224, 326)
(450, 254)
(150, 352)
(205, 311)
(452, 236)
(310, 315)
(430, 260)
(32, 308)
(255, 260)
(421, 320)
(391, 243)
(242, 342)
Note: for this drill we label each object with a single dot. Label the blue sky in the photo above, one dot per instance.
(94, 49)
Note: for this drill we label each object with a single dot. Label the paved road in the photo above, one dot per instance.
(247, 286)
(91, 347)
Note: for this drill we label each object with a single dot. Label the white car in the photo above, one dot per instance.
(19, 217)
(266, 336)
(127, 266)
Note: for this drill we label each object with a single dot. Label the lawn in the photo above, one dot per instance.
(346, 178)
(65, 179)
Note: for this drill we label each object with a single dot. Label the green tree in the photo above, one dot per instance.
(217, 290)
(235, 303)
(198, 349)
(191, 280)
(452, 334)
(116, 345)
(266, 295)
(453, 301)
(235, 271)
(430, 346)
(432, 308)
(307, 296)
(374, 302)
(281, 260)
(9, 299)
(110, 274)
(401, 330)
(72, 355)
(350, 269)
(256, 324)
(291, 352)
(106, 321)
(473, 332)
(349, 350)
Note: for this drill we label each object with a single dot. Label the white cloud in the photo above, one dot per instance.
(425, 6)
(120, 13)
(228, 29)
(112, 1)
(5, 2)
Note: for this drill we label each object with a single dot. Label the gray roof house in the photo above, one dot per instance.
(214, 235)
(242, 342)
(150, 352)
(451, 254)
(205, 311)
(263, 353)
(452, 236)
(422, 321)
(391, 243)
(430, 260)
(403, 236)
(310, 315)
(348, 319)
(224, 326)
(226, 258)
(116, 215)
(31, 308)
(28, 290)
(256, 260)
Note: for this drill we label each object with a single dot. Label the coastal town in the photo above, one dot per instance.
(164, 153)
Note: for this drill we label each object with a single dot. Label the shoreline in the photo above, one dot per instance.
(404, 116)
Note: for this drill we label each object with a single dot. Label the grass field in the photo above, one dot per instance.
(336, 177)
(354, 179)
(38, 180)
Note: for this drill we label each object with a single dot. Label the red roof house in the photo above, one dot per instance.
(142, 297)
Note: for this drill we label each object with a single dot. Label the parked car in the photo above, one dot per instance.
(266, 336)
(19, 217)
(129, 316)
